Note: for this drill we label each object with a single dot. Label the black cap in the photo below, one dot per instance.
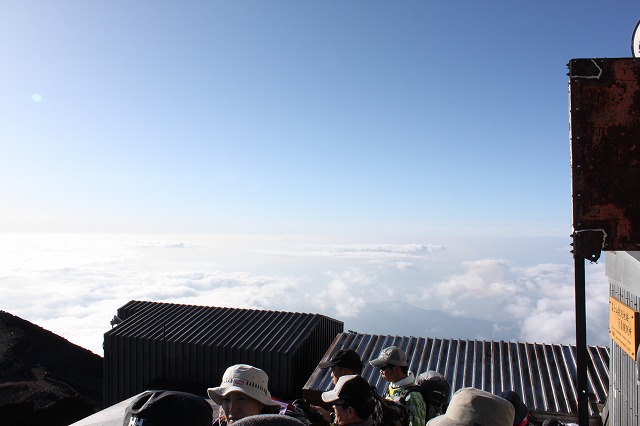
(516, 401)
(344, 358)
(169, 408)
(356, 391)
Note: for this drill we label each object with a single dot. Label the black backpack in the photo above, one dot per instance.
(435, 390)
(388, 413)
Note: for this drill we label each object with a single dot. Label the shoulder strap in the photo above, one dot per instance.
(407, 390)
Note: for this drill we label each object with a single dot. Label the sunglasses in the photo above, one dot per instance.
(340, 404)
(384, 367)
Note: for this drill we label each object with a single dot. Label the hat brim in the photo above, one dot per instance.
(330, 396)
(217, 393)
(325, 364)
(378, 362)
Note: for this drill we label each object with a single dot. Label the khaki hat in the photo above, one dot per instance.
(392, 355)
(245, 379)
(475, 407)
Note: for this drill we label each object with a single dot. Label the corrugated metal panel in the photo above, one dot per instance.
(186, 347)
(623, 270)
(543, 374)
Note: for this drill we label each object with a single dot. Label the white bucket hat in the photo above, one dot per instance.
(470, 406)
(246, 379)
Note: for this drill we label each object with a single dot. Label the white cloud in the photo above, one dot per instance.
(73, 285)
(345, 292)
(374, 252)
(540, 298)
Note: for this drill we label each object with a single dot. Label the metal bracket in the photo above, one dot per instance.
(588, 243)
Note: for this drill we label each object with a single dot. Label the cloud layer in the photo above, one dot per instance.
(73, 284)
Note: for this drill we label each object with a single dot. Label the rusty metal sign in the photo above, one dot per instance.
(605, 152)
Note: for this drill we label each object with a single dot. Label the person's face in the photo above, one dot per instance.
(337, 372)
(237, 405)
(389, 373)
(344, 415)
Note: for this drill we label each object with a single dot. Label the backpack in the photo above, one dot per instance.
(313, 417)
(293, 410)
(435, 390)
(387, 412)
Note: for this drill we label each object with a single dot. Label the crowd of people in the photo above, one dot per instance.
(244, 399)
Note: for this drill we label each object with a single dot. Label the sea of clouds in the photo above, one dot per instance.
(515, 289)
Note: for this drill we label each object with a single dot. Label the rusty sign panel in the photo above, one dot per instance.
(605, 149)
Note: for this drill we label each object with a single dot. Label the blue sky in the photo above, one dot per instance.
(279, 116)
(414, 123)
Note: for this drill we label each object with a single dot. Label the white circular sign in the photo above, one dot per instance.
(635, 41)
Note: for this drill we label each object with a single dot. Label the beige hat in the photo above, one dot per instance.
(470, 406)
(246, 379)
(392, 355)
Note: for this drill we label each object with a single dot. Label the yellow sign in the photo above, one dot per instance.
(623, 326)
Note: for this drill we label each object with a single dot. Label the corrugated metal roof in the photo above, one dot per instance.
(187, 347)
(216, 326)
(543, 374)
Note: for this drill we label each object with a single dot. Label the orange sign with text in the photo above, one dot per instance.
(623, 326)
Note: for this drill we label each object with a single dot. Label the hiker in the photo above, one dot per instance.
(243, 393)
(168, 408)
(342, 363)
(392, 363)
(523, 417)
(352, 401)
(471, 406)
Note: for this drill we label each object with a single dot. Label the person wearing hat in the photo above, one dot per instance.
(242, 393)
(342, 363)
(168, 408)
(523, 417)
(471, 407)
(352, 401)
(392, 363)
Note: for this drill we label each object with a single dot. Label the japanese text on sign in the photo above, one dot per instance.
(623, 326)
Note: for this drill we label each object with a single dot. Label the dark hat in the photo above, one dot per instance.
(269, 420)
(168, 408)
(351, 388)
(344, 358)
(514, 398)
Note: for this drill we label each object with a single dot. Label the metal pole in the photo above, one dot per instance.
(581, 341)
